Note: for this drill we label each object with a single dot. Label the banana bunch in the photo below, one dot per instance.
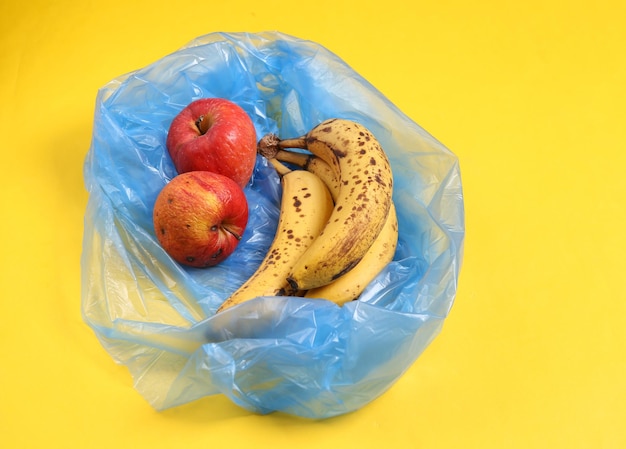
(337, 227)
(350, 285)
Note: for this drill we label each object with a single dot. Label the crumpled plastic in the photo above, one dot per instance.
(304, 357)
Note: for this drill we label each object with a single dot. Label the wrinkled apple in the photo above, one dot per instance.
(216, 135)
(199, 218)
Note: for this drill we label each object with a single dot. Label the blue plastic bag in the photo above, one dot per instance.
(304, 357)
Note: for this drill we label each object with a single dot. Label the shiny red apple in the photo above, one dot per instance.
(216, 135)
(199, 218)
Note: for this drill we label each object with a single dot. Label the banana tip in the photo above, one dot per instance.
(293, 284)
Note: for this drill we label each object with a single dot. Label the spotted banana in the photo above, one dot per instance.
(305, 207)
(349, 286)
(361, 206)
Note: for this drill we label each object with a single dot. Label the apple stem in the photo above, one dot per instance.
(203, 123)
(227, 229)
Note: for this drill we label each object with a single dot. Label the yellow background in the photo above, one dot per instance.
(531, 97)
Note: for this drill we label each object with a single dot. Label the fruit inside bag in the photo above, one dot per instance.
(305, 357)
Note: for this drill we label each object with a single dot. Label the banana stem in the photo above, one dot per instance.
(270, 144)
(291, 157)
(298, 142)
(281, 168)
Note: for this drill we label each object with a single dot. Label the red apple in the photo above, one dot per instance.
(216, 135)
(199, 218)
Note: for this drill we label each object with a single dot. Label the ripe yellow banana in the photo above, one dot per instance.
(306, 205)
(350, 286)
(361, 206)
